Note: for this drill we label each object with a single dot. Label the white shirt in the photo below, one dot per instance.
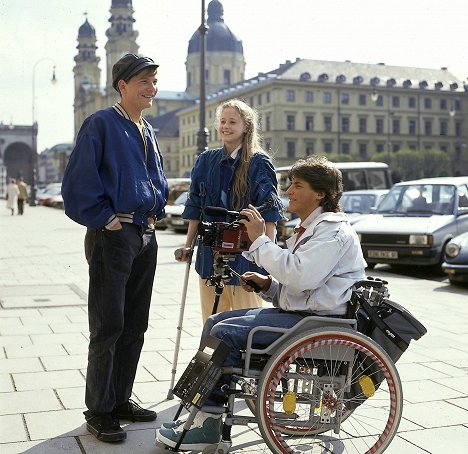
(317, 273)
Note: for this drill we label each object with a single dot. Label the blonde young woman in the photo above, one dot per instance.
(232, 177)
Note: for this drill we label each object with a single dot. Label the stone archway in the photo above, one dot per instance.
(17, 158)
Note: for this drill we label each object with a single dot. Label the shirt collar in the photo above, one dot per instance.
(311, 218)
(234, 154)
(123, 113)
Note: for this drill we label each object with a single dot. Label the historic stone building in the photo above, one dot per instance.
(312, 106)
(306, 106)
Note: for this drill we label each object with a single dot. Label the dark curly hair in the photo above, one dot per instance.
(322, 176)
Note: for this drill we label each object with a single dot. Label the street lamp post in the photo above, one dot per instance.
(202, 139)
(34, 128)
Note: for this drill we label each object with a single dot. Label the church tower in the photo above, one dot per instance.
(224, 57)
(87, 75)
(121, 39)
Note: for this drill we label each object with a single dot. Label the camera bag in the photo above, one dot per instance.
(392, 327)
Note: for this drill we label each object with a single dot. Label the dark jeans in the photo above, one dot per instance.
(121, 272)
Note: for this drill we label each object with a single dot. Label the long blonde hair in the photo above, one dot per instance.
(252, 143)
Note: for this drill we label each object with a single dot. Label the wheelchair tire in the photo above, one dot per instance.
(351, 423)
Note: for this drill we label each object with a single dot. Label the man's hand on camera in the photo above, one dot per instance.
(262, 281)
(183, 254)
(253, 222)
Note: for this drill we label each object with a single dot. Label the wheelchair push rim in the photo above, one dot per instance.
(328, 412)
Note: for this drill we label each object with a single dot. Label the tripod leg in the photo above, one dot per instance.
(219, 291)
(170, 394)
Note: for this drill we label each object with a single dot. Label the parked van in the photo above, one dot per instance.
(356, 175)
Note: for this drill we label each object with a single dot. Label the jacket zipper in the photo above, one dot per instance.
(145, 145)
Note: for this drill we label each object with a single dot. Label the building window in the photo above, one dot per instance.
(396, 126)
(309, 96)
(379, 126)
(363, 150)
(379, 147)
(395, 147)
(363, 125)
(412, 102)
(309, 150)
(395, 101)
(457, 105)
(227, 77)
(344, 98)
(291, 149)
(207, 76)
(309, 123)
(458, 129)
(259, 99)
(362, 100)
(344, 124)
(327, 97)
(327, 147)
(412, 127)
(267, 123)
(327, 122)
(443, 127)
(428, 127)
(427, 103)
(345, 149)
(290, 123)
(290, 96)
(443, 104)
(379, 101)
(268, 99)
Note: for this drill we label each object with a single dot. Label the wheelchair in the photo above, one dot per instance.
(322, 386)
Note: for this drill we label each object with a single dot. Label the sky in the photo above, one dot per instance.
(38, 34)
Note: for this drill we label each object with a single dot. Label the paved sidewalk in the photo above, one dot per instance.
(44, 335)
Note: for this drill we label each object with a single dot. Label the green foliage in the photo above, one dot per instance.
(413, 164)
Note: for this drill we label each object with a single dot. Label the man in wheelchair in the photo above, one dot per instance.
(313, 276)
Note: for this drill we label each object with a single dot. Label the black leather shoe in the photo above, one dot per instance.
(105, 427)
(131, 411)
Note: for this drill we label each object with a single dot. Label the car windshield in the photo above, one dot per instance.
(181, 199)
(419, 199)
(358, 203)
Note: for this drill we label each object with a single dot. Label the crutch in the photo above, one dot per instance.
(170, 394)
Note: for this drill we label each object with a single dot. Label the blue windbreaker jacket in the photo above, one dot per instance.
(113, 172)
(205, 190)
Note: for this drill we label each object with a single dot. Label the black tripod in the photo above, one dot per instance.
(223, 272)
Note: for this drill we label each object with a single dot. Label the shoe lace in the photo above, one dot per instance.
(134, 407)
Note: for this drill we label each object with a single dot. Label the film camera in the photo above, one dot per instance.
(226, 237)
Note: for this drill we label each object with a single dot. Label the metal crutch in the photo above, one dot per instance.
(170, 394)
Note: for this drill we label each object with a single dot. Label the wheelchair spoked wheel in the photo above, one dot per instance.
(332, 389)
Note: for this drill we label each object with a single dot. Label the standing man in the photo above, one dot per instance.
(22, 195)
(114, 184)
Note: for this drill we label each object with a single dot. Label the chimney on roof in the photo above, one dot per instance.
(381, 64)
(444, 68)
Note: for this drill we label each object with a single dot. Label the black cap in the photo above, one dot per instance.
(128, 66)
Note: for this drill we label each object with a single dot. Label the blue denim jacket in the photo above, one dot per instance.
(205, 190)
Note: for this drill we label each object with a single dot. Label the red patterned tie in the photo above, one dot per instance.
(299, 230)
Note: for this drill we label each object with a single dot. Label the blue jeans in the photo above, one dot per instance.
(233, 328)
(122, 265)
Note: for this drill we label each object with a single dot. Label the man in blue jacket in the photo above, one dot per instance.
(114, 184)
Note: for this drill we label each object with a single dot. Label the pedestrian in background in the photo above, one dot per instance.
(12, 195)
(22, 195)
(114, 184)
(231, 177)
